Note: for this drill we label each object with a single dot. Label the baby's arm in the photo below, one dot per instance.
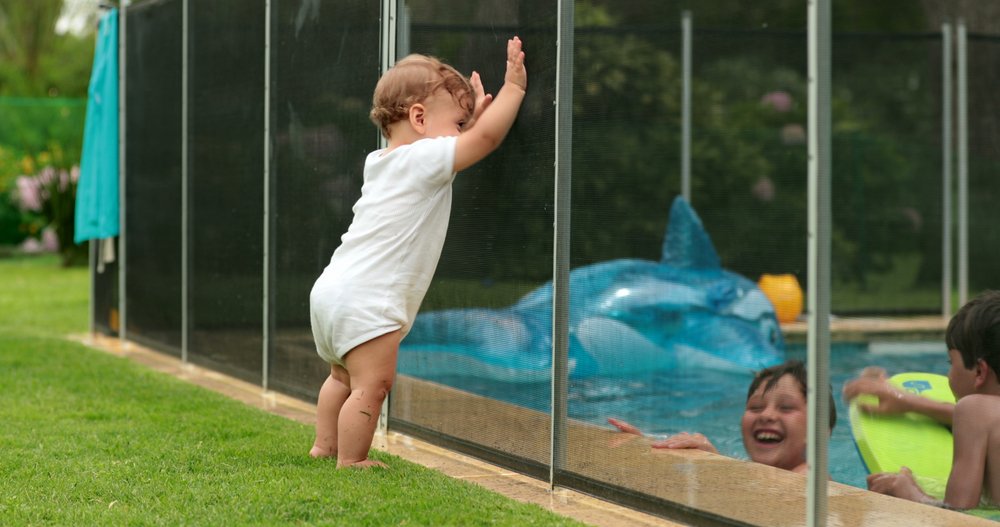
(489, 129)
(892, 400)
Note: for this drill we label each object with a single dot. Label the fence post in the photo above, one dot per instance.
(946, 164)
(686, 36)
(122, 205)
(561, 245)
(963, 167)
(185, 174)
(388, 55)
(268, 266)
(819, 260)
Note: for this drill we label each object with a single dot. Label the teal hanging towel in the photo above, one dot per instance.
(97, 190)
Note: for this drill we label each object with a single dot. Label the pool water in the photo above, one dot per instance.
(712, 403)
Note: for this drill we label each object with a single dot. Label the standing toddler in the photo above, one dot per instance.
(437, 123)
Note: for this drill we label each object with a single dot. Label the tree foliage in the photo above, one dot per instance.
(35, 60)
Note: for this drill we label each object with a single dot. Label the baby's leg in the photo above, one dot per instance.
(372, 366)
(331, 398)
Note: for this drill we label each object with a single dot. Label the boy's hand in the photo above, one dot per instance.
(624, 427)
(483, 99)
(684, 440)
(874, 381)
(901, 485)
(516, 73)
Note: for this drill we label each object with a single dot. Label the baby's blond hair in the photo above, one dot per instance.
(411, 81)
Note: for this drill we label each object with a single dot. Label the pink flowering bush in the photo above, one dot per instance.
(779, 101)
(49, 198)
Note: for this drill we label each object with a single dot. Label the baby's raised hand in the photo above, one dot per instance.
(483, 99)
(516, 74)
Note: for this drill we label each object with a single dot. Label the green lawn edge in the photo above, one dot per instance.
(93, 439)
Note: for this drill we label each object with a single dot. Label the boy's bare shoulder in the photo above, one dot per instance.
(980, 407)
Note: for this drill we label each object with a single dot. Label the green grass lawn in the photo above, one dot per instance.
(87, 438)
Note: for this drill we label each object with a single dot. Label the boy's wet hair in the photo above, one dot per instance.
(975, 331)
(797, 370)
(412, 80)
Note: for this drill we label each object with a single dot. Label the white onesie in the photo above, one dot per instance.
(378, 276)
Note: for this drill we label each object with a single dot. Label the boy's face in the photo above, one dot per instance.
(961, 380)
(775, 424)
(443, 116)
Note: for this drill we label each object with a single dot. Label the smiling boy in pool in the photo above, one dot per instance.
(774, 424)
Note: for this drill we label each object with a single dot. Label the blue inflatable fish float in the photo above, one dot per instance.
(626, 317)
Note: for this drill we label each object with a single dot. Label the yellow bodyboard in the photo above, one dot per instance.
(887, 443)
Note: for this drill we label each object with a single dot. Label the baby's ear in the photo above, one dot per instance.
(417, 113)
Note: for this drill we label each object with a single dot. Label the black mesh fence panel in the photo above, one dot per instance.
(325, 63)
(153, 175)
(104, 300)
(225, 142)
(887, 183)
(481, 379)
(642, 300)
(984, 163)
(748, 160)
(749, 187)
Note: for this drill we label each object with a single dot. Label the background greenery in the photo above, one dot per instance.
(44, 75)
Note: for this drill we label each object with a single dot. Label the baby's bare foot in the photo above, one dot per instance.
(322, 452)
(364, 463)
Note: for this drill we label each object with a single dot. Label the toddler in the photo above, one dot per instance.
(437, 123)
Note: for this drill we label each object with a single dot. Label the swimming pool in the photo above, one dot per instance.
(712, 403)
